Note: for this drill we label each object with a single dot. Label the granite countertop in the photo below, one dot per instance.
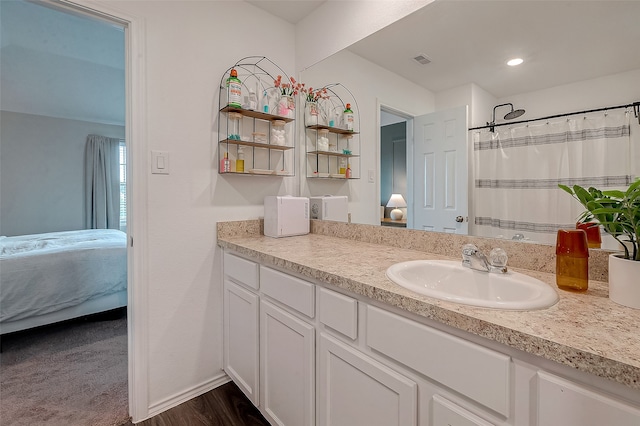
(586, 331)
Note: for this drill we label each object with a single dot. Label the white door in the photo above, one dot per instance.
(357, 390)
(287, 361)
(241, 351)
(439, 200)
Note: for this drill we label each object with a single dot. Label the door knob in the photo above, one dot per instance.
(459, 219)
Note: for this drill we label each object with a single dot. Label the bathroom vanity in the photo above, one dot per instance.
(315, 334)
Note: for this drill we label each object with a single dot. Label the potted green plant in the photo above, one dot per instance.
(618, 212)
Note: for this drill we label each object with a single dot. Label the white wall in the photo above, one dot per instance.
(42, 172)
(371, 85)
(188, 47)
(583, 95)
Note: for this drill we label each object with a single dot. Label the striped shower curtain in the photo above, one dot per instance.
(517, 171)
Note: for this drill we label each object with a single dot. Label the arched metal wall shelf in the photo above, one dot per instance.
(255, 129)
(331, 149)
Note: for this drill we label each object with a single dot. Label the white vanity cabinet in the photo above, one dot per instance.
(330, 359)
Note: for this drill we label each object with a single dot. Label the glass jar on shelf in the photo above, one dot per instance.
(287, 106)
(235, 124)
(278, 132)
(322, 143)
(259, 137)
(312, 113)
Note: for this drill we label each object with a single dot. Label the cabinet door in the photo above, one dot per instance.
(561, 402)
(357, 390)
(241, 355)
(287, 367)
(445, 412)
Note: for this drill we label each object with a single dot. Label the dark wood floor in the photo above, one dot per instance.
(223, 406)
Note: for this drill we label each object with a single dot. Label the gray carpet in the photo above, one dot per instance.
(69, 374)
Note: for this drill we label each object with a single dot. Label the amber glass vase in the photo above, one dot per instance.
(572, 260)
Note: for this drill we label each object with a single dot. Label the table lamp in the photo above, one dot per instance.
(396, 201)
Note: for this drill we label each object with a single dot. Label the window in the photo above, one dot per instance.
(123, 185)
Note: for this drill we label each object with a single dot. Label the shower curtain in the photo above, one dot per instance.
(517, 171)
(102, 183)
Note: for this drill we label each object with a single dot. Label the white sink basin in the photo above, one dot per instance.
(449, 280)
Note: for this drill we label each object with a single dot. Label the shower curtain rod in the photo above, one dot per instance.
(635, 105)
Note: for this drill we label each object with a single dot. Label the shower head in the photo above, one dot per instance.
(508, 116)
(513, 114)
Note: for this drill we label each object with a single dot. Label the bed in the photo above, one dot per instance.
(46, 278)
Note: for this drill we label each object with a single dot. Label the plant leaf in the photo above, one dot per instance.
(614, 194)
(583, 195)
(565, 188)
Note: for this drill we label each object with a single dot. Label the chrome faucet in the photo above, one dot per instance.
(473, 258)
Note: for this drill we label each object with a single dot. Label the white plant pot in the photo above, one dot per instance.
(624, 281)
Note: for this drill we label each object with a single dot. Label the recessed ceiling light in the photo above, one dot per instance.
(515, 61)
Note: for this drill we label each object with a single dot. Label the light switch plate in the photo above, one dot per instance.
(372, 176)
(160, 162)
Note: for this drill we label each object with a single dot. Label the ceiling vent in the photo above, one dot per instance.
(422, 59)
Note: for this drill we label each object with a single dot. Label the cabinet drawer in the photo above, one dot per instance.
(241, 270)
(338, 312)
(292, 292)
(561, 402)
(476, 372)
(445, 412)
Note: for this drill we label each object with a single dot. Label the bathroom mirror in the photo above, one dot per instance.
(466, 45)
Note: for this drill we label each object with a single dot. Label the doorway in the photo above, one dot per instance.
(53, 55)
(394, 133)
(435, 183)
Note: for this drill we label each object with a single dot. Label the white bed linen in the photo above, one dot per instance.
(44, 273)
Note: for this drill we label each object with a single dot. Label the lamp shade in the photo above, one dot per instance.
(396, 201)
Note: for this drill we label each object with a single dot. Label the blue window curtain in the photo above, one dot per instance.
(102, 183)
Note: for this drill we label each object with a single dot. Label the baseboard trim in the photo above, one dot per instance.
(186, 395)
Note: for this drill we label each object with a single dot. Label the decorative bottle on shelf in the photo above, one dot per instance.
(343, 166)
(265, 101)
(347, 173)
(253, 101)
(225, 165)
(234, 89)
(240, 161)
(348, 118)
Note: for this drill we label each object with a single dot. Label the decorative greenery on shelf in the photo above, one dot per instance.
(617, 211)
(314, 95)
(294, 87)
(291, 88)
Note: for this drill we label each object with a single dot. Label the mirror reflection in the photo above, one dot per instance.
(449, 59)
